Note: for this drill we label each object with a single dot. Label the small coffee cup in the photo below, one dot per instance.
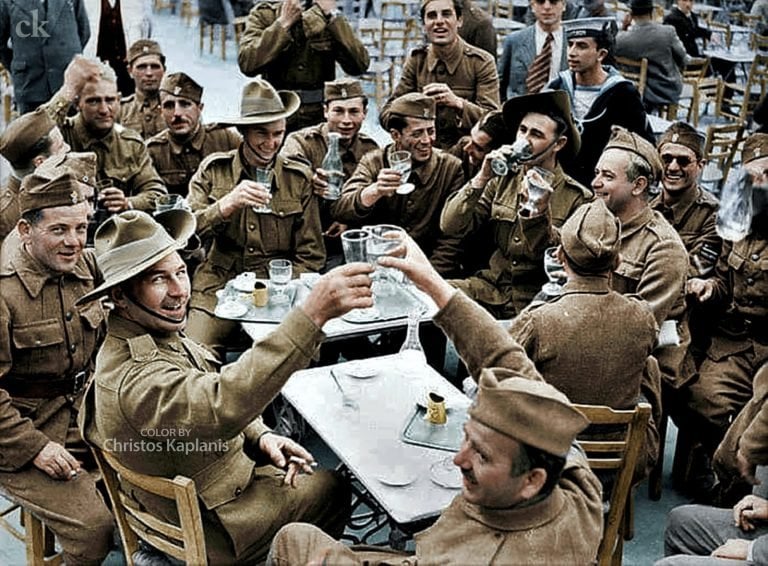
(436, 409)
(260, 294)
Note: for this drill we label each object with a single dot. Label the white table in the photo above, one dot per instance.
(732, 55)
(368, 442)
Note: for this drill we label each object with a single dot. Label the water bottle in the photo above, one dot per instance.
(411, 352)
(734, 218)
(333, 167)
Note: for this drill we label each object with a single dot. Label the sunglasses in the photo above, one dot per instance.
(682, 160)
(542, 2)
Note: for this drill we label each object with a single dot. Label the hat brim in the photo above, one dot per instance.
(548, 102)
(180, 225)
(291, 103)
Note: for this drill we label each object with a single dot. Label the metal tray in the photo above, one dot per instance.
(390, 307)
(448, 436)
(271, 312)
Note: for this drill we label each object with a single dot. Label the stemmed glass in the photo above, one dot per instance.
(264, 177)
(384, 238)
(400, 161)
(555, 273)
(280, 272)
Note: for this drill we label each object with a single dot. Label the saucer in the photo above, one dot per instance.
(232, 309)
(244, 285)
(405, 189)
(361, 370)
(445, 476)
(396, 477)
(362, 315)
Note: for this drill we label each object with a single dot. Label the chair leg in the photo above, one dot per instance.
(223, 31)
(629, 518)
(655, 477)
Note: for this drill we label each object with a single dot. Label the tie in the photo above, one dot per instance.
(538, 72)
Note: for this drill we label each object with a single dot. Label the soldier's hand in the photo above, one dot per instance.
(339, 291)
(751, 508)
(335, 230)
(290, 13)
(57, 462)
(443, 95)
(387, 182)
(79, 71)
(285, 453)
(702, 289)
(327, 6)
(734, 548)
(113, 199)
(320, 182)
(245, 193)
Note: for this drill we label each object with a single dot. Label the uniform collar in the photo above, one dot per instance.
(518, 518)
(33, 275)
(147, 101)
(195, 142)
(125, 329)
(587, 284)
(87, 139)
(677, 211)
(636, 223)
(451, 61)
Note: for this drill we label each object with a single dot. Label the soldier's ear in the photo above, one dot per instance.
(118, 297)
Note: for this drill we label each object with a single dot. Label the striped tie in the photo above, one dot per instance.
(538, 72)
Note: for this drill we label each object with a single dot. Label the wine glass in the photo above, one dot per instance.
(400, 161)
(264, 177)
(555, 273)
(539, 183)
(280, 272)
(384, 238)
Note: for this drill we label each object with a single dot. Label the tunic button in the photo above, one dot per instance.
(251, 249)
(238, 491)
(750, 281)
(68, 316)
(147, 118)
(517, 240)
(514, 262)
(37, 342)
(755, 257)
(281, 214)
(72, 348)
(251, 226)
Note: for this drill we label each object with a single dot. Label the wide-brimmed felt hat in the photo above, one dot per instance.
(550, 103)
(261, 104)
(128, 243)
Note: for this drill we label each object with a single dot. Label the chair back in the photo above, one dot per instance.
(184, 541)
(720, 30)
(636, 70)
(720, 147)
(616, 456)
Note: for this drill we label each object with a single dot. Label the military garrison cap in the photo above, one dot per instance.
(755, 147)
(591, 237)
(342, 89)
(83, 165)
(40, 191)
(22, 134)
(684, 134)
(143, 47)
(413, 105)
(181, 84)
(531, 412)
(621, 138)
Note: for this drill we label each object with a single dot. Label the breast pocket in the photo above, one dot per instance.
(39, 347)
(93, 317)
(504, 218)
(277, 229)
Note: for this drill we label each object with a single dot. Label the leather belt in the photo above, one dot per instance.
(45, 389)
(310, 96)
(740, 327)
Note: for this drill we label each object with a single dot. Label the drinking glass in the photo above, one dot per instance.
(539, 183)
(555, 273)
(400, 161)
(355, 245)
(384, 238)
(168, 202)
(264, 176)
(503, 160)
(280, 272)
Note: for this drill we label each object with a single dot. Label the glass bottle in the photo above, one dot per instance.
(411, 352)
(734, 218)
(333, 167)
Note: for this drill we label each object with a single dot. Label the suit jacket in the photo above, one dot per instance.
(43, 44)
(666, 59)
(136, 21)
(518, 53)
(687, 29)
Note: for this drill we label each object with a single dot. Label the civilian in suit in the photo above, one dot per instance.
(521, 48)
(686, 24)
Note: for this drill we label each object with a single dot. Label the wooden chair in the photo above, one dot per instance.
(722, 30)
(211, 30)
(758, 42)
(184, 541)
(695, 72)
(636, 70)
(739, 100)
(616, 456)
(720, 147)
(37, 538)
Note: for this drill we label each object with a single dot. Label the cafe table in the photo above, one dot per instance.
(409, 482)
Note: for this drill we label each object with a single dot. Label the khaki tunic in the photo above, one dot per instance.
(302, 58)
(177, 161)
(44, 341)
(247, 241)
(142, 114)
(163, 396)
(516, 270)
(120, 155)
(9, 206)
(477, 28)
(418, 212)
(471, 74)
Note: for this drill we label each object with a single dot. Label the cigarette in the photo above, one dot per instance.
(302, 461)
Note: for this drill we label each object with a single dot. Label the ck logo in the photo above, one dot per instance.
(36, 27)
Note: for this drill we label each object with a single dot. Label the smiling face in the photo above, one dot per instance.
(263, 141)
(611, 183)
(418, 136)
(58, 238)
(441, 25)
(681, 168)
(345, 117)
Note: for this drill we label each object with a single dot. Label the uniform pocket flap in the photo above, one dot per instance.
(93, 313)
(38, 334)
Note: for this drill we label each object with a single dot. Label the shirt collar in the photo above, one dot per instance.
(636, 222)
(677, 211)
(87, 139)
(195, 142)
(33, 275)
(452, 59)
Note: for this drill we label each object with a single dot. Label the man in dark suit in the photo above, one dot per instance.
(686, 24)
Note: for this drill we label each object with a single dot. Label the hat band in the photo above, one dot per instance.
(261, 106)
(120, 260)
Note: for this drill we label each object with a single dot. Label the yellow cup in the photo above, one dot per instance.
(260, 294)
(436, 409)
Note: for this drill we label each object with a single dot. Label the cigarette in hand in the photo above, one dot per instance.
(302, 461)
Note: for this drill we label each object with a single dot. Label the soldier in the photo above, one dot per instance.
(25, 143)
(177, 151)
(141, 110)
(124, 164)
(516, 269)
(487, 134)
(47, 347)
(461, 79)
(370, 195)
(477, 27)
(226, 199)
(151, 380)
(345, 109)
(297, 50)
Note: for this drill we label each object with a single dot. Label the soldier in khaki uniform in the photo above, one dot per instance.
(157, 391)
(739, 347)
(516, 269)
(370, 197)
(177, 151)
(345, 109)
(123, 159)
(47, 346)
(297, 50)
(477, 27)
(462, 79)
(25, 143)
(223, 194)
(141, 110)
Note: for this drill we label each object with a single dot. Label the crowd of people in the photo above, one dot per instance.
(108, 331)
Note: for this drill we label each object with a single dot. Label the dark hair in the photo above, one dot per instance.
(40, 147)
(457, 7)
(529, 458)
(32, 217)
(327, 103)
(397, 122)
